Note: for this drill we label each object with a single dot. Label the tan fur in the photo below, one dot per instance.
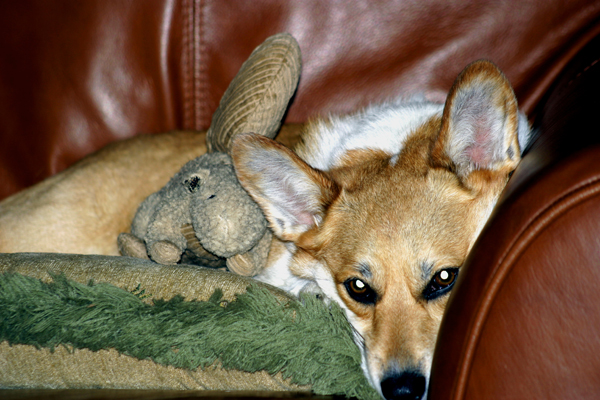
(84, 208)
(395, 218)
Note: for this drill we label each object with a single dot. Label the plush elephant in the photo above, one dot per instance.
(204, 198)
(203, 215)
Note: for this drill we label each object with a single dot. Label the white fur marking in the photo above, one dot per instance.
(380, 127)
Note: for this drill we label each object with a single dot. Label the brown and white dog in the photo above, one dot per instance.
(378, 210)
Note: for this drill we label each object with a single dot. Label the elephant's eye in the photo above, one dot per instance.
(193, 184)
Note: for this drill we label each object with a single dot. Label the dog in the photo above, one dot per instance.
(377, 212)
(84, 208)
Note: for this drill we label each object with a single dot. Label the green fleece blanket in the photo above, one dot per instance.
(307, 341)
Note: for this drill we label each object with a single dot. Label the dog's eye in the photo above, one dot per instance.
(441, 283)
(445, 277)
(360, 291)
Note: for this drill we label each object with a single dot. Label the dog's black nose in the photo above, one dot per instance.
(404, 386)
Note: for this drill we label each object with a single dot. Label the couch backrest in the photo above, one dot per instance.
(77, 75)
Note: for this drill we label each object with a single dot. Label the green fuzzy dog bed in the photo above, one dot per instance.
(72, 321)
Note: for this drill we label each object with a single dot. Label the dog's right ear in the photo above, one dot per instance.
(292, 194)
(480, 124)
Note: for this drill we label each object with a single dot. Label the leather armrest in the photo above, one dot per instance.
(523, 319)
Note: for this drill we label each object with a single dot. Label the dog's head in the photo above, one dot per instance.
(385, 235)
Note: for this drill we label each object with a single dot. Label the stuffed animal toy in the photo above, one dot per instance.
(203, 215)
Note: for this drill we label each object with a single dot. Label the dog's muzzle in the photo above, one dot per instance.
(404, 386)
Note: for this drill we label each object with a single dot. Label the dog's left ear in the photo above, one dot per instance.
(292, 195)
(480, 123)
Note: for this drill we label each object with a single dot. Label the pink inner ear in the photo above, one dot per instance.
(296, 203)
(481, 152)
(305, 218)
(483, 136)
(478, 156)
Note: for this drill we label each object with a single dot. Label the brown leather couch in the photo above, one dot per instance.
(524, 320)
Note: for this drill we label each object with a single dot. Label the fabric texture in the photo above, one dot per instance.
(60, 333)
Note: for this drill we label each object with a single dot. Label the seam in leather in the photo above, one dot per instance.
(586, 69)
(186, 61)
(200, 79)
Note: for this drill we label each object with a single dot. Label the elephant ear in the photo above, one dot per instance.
(257, 98)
